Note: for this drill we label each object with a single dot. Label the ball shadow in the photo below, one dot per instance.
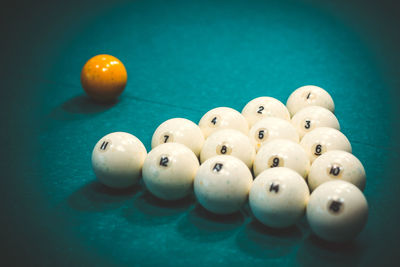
(78, 106)
(147, 209)
(95, 196)
(263, 242)
(314, 249)
(203, 226)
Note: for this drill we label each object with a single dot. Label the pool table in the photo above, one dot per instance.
(184, 58)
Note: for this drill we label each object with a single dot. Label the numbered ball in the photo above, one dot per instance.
(309, 95)
(278, 197)
(337, 211)
(323, 139)
(229, 142)
(223, 118)
(313, 117)
(222, 184)
(263, 107)
(282, 153)
(272, 128)
(117, 159)
(181, 131)
(104, 77)
(336, 165)
(169, 171)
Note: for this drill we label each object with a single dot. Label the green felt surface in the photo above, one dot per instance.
(184, 58)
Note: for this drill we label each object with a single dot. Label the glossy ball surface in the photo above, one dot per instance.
(264, 107)
(309, 95)
(222, 118)
(117, 159)
(169, 171)
(229, 142)
(270, 129)
(222, 184)
(309, 118)
(323, 139)
(282, 153)
(337, 211)
(104, 78)
(336, 165)
(179, 130)
(278, 197)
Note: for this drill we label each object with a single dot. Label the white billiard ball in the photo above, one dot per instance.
(337, 211)
(229, 142)
(272, 128)
(278, 197)
(222, 184)
(169, 171)
(117, 159)
(336, 165)
(309, 118)
(309, 95)
(179, 130)
(282, 153)
(223, 118)
(263, 107)
(323, 139)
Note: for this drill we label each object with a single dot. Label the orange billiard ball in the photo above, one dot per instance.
(104, 78)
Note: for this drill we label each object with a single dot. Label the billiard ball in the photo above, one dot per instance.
(223, 118)
(312, 117)
(169, 170)
(337, 211)
(336, 165)
(117, 159)
(222, 184)
(323, 139)
(263, 107)
(278, 197)
(309, 95)
(272, 128)
(103, 78)
(179, 130)
(229, 142)
(282, 153)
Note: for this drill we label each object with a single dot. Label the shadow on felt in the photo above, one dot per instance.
(78, 106)
(203, 226)
(147, 209)
(263, 242)
(97, 197)
(314, 249)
